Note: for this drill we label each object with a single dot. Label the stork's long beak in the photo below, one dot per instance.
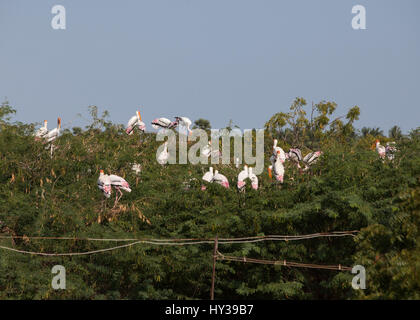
(139, 115)
(270, 172)
(59, 122)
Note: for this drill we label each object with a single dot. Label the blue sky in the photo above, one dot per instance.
(219, 60)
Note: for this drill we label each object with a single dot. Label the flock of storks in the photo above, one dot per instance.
(106, 182)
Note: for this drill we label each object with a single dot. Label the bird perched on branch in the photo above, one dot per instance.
(104, 184)
(278, 152)
(247, 173)
(311, 158)
(277, 167)
(295, 155)
(135, 122)
(220, 179)
(164, 123)
(208, 177)
(42, 132)
(119, 184)
(52, 135)
(243, 175)
(184, 122)
(253, 177)
(380, 149)
(390, 150)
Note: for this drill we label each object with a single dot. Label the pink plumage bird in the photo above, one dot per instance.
(135, 121)
(119, 184)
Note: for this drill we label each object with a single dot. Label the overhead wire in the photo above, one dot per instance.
(167, 242)
(284, 262)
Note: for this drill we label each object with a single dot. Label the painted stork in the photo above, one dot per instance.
(42, 132)
(380, 149)
(135, 121)
(253, 178)
(295, 155)
(243, 175)
(52, 135)
(276, 167)
(104, 184)
(390, 150)
(119, 184)
(311, 158)
(185, 123)
(220, 179)
(277, 153)
(208, 177)
(164, 123)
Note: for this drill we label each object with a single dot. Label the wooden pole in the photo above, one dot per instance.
(214, 269)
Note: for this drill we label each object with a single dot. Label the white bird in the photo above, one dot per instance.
(104, 184)
(135, 121)
(380, 149)
(207, 151)
(185, 123)
(163, 156)
(295, 155)
(311, 158)
(164, 123)
(276, 167)
(119, 184)
(278, 152)
(254, 179)
(243, 175)
(42, 132)
(390, 150)
(208, 177)
(220, 179)
(53, 134)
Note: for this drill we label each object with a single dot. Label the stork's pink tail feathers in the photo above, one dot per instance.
(241, 184)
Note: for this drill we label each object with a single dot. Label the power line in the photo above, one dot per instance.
(167, 242)
(225, 240)
(284, 262)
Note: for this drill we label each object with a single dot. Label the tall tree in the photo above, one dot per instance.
(202, 124)
(395, 133)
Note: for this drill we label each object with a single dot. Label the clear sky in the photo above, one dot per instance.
(214, 59)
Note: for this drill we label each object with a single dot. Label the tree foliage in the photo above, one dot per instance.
(202, 124)
(350, 188)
